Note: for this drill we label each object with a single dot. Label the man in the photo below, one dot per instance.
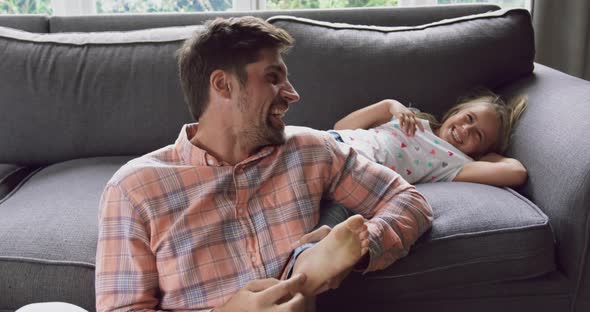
(211, 221)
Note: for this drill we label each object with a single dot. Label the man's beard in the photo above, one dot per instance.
(263, 134)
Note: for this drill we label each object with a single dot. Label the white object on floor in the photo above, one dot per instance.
(51, 307)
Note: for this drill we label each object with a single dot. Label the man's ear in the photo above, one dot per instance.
(220, 82)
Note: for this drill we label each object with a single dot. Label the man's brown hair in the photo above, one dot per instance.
(226, 44)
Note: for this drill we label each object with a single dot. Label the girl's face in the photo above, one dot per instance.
(473, 130)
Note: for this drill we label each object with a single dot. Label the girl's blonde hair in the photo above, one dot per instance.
(508, 113)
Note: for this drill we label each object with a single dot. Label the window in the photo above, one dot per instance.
(81, 7)
(26, 7)
(309, 4)
(149, 6)
(324, 4)
(505, 4)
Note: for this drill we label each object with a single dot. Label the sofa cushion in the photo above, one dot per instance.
(11, 176)
(89, 94)
(384, 16)
(6, 172)
(338, 68)
(49, 234)
(480, 234)
(32, 23)
(558, 163)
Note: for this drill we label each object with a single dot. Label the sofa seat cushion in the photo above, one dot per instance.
(480, 234)
(6, 172)
(11, 176)
(48, 234)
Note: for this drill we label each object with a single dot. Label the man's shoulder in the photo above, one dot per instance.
(142, 169)
(304, 135)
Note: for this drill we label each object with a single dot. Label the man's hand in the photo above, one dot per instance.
(269, 295)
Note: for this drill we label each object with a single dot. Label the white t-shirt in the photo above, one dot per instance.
(422, 158)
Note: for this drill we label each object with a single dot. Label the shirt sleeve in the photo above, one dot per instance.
(126, 274)
(398, 214)
(451, 174)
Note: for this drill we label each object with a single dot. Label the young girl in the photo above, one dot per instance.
(465, 146)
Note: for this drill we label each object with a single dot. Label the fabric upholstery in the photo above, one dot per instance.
(89, 94)
(428, 66)
(49, 234)
(552, 141)
(24, 282)
(7, 169)
(32, 23)
(11, 176)
(6, 185)
(367, 16)
(479, 234)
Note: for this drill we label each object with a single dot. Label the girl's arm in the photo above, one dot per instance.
(378, 114)
(493, 169)
(367, 117)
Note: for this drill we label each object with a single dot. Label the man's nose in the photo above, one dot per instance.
(289, 93)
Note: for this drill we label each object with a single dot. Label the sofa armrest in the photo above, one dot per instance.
(553, 141)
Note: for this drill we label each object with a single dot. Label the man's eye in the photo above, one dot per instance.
(273, 78)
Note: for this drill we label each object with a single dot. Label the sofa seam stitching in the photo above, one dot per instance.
(11, 173)
(538, 226)
(457, 265)
(47, 261)
(19, 185)
(528, 202)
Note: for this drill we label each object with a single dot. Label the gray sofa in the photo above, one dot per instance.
(76, 106)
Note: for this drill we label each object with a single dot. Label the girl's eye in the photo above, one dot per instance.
(470, 118)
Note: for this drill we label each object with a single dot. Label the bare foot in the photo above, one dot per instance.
(338, 252)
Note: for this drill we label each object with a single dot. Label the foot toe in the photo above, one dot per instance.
(364, 235)
(356, 223)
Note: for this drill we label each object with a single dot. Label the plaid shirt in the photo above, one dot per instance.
(180, 230)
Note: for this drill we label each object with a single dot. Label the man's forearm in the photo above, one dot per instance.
(396, 227)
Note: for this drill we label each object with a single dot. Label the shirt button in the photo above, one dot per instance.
(210, 162)
(253, 259)
(239, 211)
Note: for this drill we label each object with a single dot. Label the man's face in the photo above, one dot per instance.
(264, 100)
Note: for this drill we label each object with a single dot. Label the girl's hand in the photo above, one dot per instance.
(407, 118)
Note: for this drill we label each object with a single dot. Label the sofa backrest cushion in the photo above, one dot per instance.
(338, 68)
(32, 23)
(384, 16)
(73, 95)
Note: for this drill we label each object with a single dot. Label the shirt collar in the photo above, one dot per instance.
(194, 155)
